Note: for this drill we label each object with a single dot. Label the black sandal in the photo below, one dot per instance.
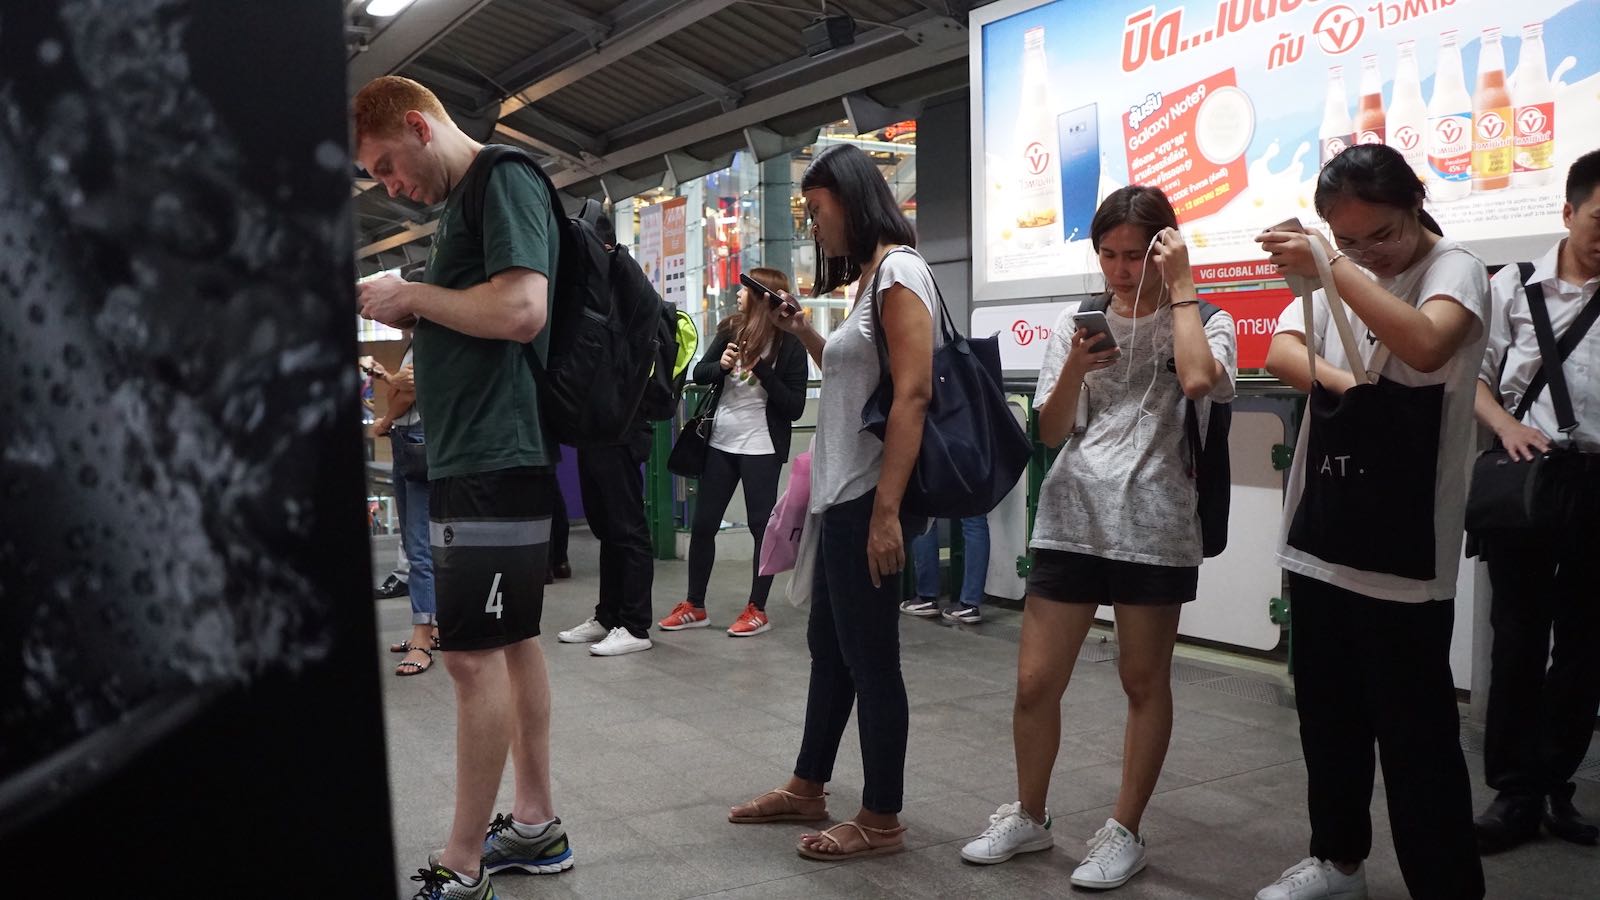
(405, 645)
(408, 668)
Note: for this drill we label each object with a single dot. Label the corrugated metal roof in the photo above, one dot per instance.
(740, 55)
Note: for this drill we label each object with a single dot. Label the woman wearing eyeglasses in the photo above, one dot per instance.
(1373, 525)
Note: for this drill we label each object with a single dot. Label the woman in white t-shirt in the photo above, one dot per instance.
(1373, 526)
(759, 375)
(857, 483)
(1118, 522)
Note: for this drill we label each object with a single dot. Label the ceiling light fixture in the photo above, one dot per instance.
(384, 8)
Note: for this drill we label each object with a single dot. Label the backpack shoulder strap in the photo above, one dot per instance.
(1563, 348)
(475, 183)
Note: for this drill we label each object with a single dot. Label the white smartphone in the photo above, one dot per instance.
(1095, 322)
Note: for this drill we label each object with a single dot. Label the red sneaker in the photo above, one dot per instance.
(685, 615)
(750, 622)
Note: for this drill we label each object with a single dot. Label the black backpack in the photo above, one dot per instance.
(1208, 459)
(613, 340)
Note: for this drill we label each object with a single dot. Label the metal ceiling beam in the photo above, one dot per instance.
(543, 146)
(415, 232)
(921, 28)
(407, 36)
(575, 18)
(676, 67)
(955, 10)
(559, 127)
(907, 62)
(629, 38)
(433, 77)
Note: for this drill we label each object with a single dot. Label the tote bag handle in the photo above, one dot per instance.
(1305, 287)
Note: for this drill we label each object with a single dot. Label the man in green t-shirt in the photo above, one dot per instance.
(491, 474)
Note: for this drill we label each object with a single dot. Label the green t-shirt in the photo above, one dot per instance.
(477, 395)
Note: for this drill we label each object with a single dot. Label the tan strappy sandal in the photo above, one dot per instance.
(874, 842)
(795, 809)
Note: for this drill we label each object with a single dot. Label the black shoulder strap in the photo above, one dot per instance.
(1191, 408)
(474, 188)
(945, 323)
(1550, 349)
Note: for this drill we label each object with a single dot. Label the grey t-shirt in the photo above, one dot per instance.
(1122, 490)
(846, 460)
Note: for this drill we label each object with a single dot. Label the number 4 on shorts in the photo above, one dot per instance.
(496, 602)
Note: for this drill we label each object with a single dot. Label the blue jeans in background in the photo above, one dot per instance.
(975, 570)
(411, 503)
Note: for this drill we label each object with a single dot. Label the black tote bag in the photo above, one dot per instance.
(1372, 461)
(973, 450)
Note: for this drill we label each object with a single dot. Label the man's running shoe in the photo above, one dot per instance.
(513, 846)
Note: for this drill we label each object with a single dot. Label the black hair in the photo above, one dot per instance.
(1583, 178)
(1141, 206)
(1373, 173)
(872, 216)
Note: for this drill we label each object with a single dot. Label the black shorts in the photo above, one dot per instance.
(490, 535)
(1067, 577)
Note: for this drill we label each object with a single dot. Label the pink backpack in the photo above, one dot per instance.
(781, 544)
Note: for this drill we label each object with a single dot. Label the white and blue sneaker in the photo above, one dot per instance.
(1011, 831)
(1115, 855)
(439, 883)
(534, 850)
(921, 607)
(962, 614)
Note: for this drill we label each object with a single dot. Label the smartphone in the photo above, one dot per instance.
(1097, 325)
(761, 290)
(1291, 224)
(1078, 131)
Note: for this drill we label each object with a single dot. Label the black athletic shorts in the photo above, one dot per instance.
(1067, 577)
(490, 535)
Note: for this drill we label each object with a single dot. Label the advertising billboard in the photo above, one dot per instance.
(1231, 107)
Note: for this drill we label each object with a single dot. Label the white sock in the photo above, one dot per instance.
(469, 882)
(529, 831)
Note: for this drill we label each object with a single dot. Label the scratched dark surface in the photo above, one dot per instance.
(181, 478)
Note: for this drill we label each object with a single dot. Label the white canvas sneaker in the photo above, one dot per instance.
(1011, 831)
(1115, 855)
(587, 633)
(619, 642)
(1314, 879)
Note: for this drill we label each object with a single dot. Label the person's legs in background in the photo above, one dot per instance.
(560, 528)
(925, 559)
(411, 506)
(613, 499)
(974, 571)
(759, 475)
(716, 486)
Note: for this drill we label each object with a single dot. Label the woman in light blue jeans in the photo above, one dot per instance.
(974, 572)
(409, 477)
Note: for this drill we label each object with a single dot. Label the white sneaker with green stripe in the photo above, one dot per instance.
(1011, 831)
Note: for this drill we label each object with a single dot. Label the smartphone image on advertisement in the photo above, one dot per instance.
(1079, 131)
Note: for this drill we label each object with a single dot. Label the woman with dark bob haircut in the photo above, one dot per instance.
(857, 483)
(1372, 525)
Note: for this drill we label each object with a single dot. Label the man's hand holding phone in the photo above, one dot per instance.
(386, 300)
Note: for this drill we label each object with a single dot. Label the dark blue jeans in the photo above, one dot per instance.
(854, 636)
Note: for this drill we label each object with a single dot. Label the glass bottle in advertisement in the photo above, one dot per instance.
(1493, 134)
(1369, 126)
(1408, 115)
(1449, 127)
(1037, 155)
(1535, 120)
(1337, 131)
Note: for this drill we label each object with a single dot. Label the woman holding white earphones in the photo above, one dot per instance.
(1117, 522)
